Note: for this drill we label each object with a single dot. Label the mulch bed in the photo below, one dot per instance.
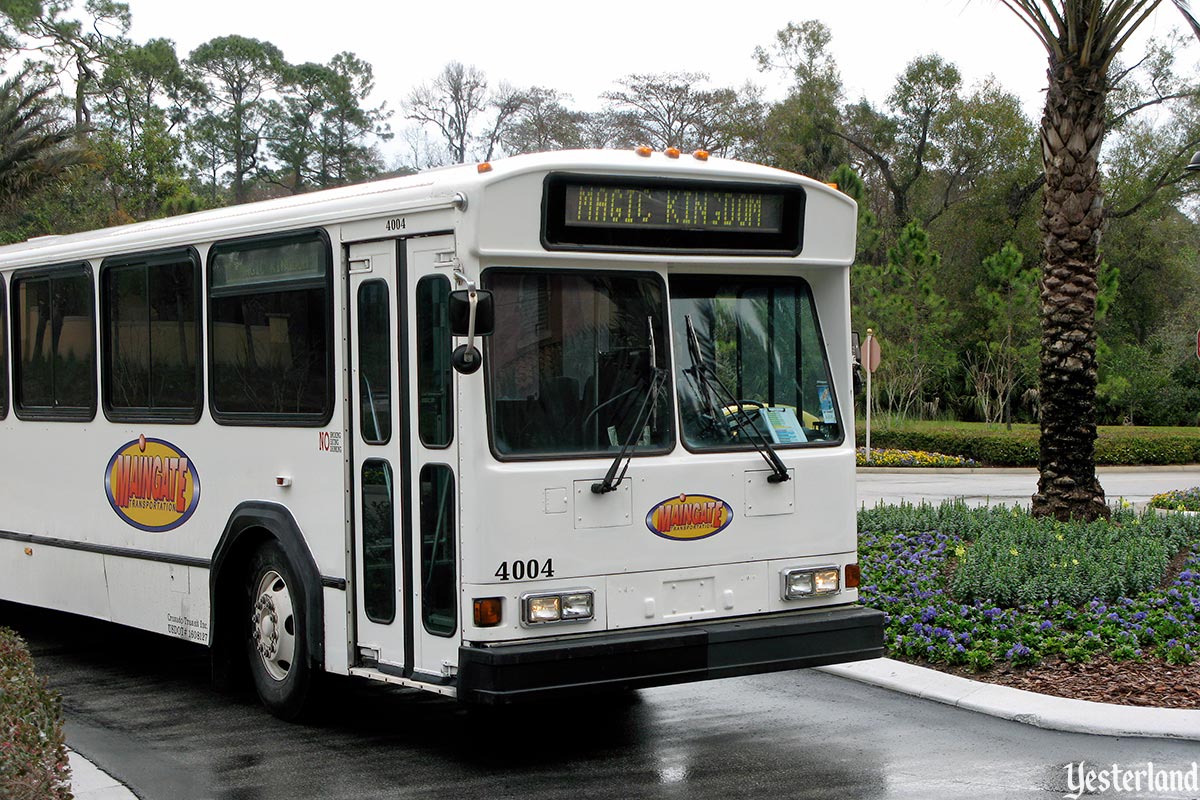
(1152, 682)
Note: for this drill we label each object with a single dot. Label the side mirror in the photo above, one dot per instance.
(472, 313)
(856, 369)
(460, 312)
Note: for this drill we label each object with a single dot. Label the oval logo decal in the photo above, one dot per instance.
(152, 485)
(689, 516)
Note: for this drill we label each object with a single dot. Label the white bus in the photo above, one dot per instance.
(564, 422)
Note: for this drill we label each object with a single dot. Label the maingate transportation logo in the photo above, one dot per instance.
(689, 516)
(152, 485)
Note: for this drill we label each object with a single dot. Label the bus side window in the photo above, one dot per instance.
(374, 362)
(439, 597)
(150, 323)
(434, 373)
(55, 373)
(271, 330)
(3, 351)
(379, 542)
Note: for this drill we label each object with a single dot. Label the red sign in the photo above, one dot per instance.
(872, 354)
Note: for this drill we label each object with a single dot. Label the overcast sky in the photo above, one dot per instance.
(581, 48)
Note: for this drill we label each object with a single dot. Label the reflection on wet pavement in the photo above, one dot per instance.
(141, 707)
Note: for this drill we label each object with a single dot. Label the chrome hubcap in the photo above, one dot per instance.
(272, 625)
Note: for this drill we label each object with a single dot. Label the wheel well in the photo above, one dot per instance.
(250, 525)
(230, 667)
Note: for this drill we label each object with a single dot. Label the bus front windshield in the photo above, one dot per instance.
(569, 368)
(571, 365)
(748, 351)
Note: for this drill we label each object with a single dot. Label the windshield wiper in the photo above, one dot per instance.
(700, 379)
(648, 410)
(779, 472)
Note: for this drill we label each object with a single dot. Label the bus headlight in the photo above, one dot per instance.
(572, 606)
(577, 605)
(810, 582)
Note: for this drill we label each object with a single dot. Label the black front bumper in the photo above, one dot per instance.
(509, 673)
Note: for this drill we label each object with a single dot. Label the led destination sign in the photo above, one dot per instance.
(690, 209)
(626, 214)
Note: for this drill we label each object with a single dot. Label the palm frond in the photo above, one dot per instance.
(1091, 31)
(1030, 14)
(1185, 8)
(36, 144)
(1127, 18)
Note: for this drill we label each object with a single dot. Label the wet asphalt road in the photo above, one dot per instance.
(140, 706)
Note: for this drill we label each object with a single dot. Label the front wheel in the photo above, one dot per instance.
(277, 646)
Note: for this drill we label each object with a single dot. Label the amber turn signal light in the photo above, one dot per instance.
(852, 576)
(487, 612)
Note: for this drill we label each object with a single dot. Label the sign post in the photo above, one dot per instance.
(871, 355)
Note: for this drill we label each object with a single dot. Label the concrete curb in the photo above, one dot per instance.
(89, 782)
(1030, 708)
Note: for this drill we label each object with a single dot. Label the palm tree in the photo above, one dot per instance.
(36, 145)
(1082, 37)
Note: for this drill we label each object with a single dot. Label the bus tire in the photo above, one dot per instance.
(276, 645)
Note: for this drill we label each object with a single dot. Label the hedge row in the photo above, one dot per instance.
(998, 447)
(33, 751)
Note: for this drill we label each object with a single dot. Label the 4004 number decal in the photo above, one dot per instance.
(152, 485)
(527, 570)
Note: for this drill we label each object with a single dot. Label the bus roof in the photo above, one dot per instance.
(434, 188)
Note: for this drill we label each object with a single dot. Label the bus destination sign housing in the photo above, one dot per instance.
(582, 212)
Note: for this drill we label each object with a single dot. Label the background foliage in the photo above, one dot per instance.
(994, 445)
(99, 129)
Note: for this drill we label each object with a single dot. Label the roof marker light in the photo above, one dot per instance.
(700, 155)
(643, 151)
(672, 152)
(484, 167)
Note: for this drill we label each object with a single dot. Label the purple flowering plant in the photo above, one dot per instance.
(1018, 603)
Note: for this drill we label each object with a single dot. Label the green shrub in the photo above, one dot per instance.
(1015, 559)
(33, 754)
(952, 515)
(995, 445)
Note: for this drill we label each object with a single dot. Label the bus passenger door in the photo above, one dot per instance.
(431, 458)
(376, 445)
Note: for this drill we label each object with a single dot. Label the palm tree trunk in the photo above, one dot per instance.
(1072, 216)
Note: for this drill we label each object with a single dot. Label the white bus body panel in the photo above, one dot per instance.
(53, 472)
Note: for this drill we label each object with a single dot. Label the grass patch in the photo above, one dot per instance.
(33, 754)
(954, 593)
